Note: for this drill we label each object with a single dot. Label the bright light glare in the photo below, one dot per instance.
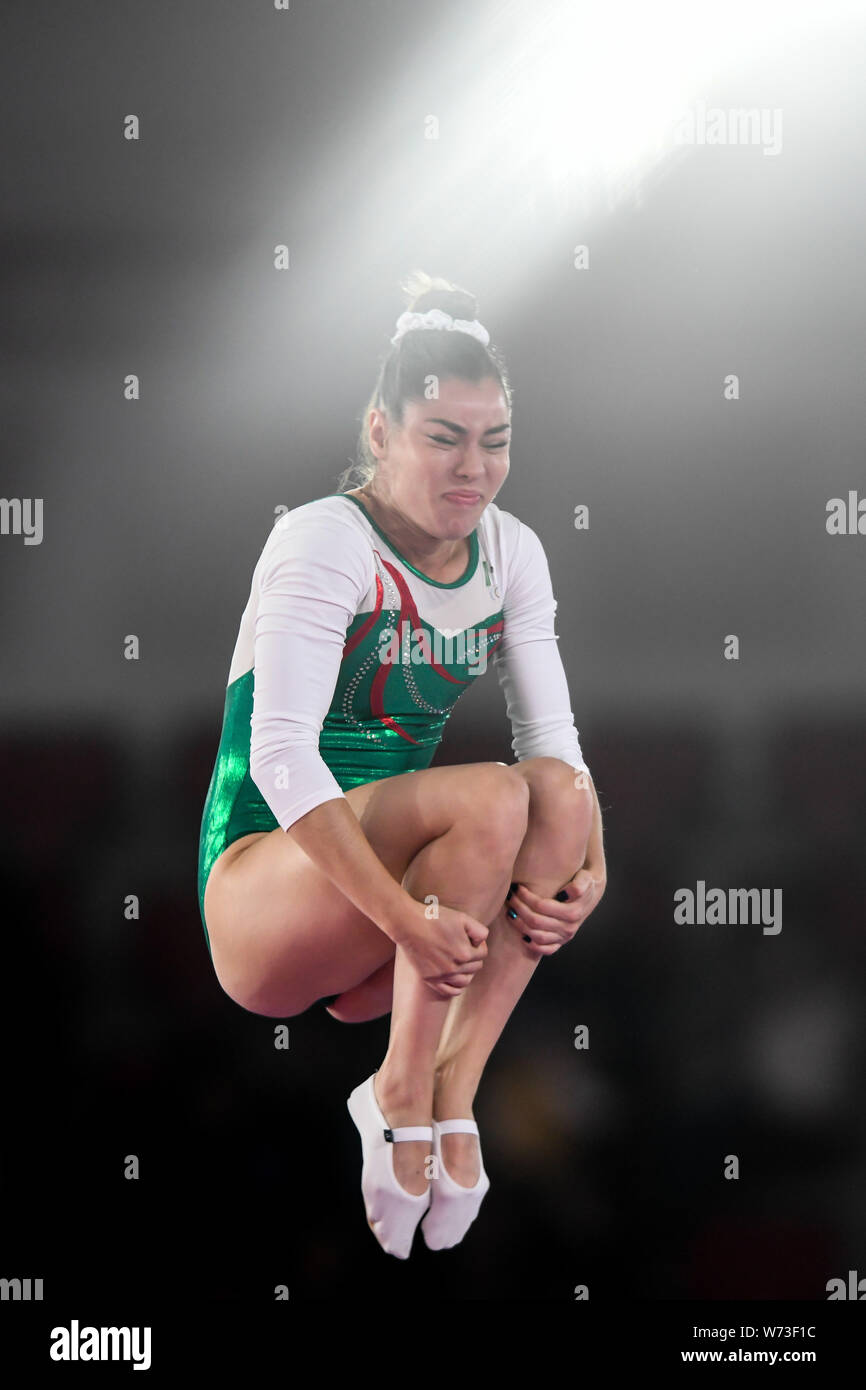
(591, 91)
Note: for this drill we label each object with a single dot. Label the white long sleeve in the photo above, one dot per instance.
(528, 664)
(315, 573)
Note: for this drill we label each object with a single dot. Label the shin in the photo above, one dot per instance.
(552, 851)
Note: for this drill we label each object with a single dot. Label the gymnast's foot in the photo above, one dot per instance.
(461, 1154)
(405, 1104)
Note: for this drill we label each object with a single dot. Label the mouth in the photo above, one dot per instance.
(463, 499)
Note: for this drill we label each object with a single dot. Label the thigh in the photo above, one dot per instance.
(282, 934)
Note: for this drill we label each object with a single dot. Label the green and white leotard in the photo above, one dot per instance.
(349, 661)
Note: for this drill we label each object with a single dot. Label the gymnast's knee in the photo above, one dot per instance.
(495, 802)
(555, 786)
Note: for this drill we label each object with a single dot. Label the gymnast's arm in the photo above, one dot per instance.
(312, 583)
(531, 675)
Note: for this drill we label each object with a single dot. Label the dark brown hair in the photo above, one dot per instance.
(420, 354)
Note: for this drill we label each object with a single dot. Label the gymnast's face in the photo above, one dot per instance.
(448, 459)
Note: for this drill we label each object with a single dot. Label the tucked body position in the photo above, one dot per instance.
(337, 865)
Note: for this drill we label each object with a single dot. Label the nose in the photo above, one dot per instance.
(472, 464)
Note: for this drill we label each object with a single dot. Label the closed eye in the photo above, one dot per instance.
(440, 439)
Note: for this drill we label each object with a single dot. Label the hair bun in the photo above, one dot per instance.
(425, 291)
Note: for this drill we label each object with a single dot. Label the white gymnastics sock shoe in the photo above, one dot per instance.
(452, 1208)
(392, 1212)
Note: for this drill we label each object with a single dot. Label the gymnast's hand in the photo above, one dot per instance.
(549, 923)
(447, 948)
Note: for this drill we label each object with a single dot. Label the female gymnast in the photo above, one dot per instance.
(334, 862)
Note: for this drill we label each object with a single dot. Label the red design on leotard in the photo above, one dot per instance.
(408, 610)
(365, 627)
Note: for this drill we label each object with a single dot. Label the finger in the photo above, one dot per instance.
(546, 938)
(547, 907)
(463, 957)
(444, 990)
(563, 927)
(477, 955)
(534, 949)
(460, 976)
(533, 923)
(461, 970)
(476, 939)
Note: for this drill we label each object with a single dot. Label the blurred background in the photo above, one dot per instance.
(483, 143)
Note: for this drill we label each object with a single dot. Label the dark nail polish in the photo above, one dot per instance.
(562, 896)
(527, 938)
(511, 913)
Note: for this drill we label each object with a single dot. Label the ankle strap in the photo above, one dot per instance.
(457, 1127)
(393, 1136)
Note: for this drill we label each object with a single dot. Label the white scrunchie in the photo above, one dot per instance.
(437, 318)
